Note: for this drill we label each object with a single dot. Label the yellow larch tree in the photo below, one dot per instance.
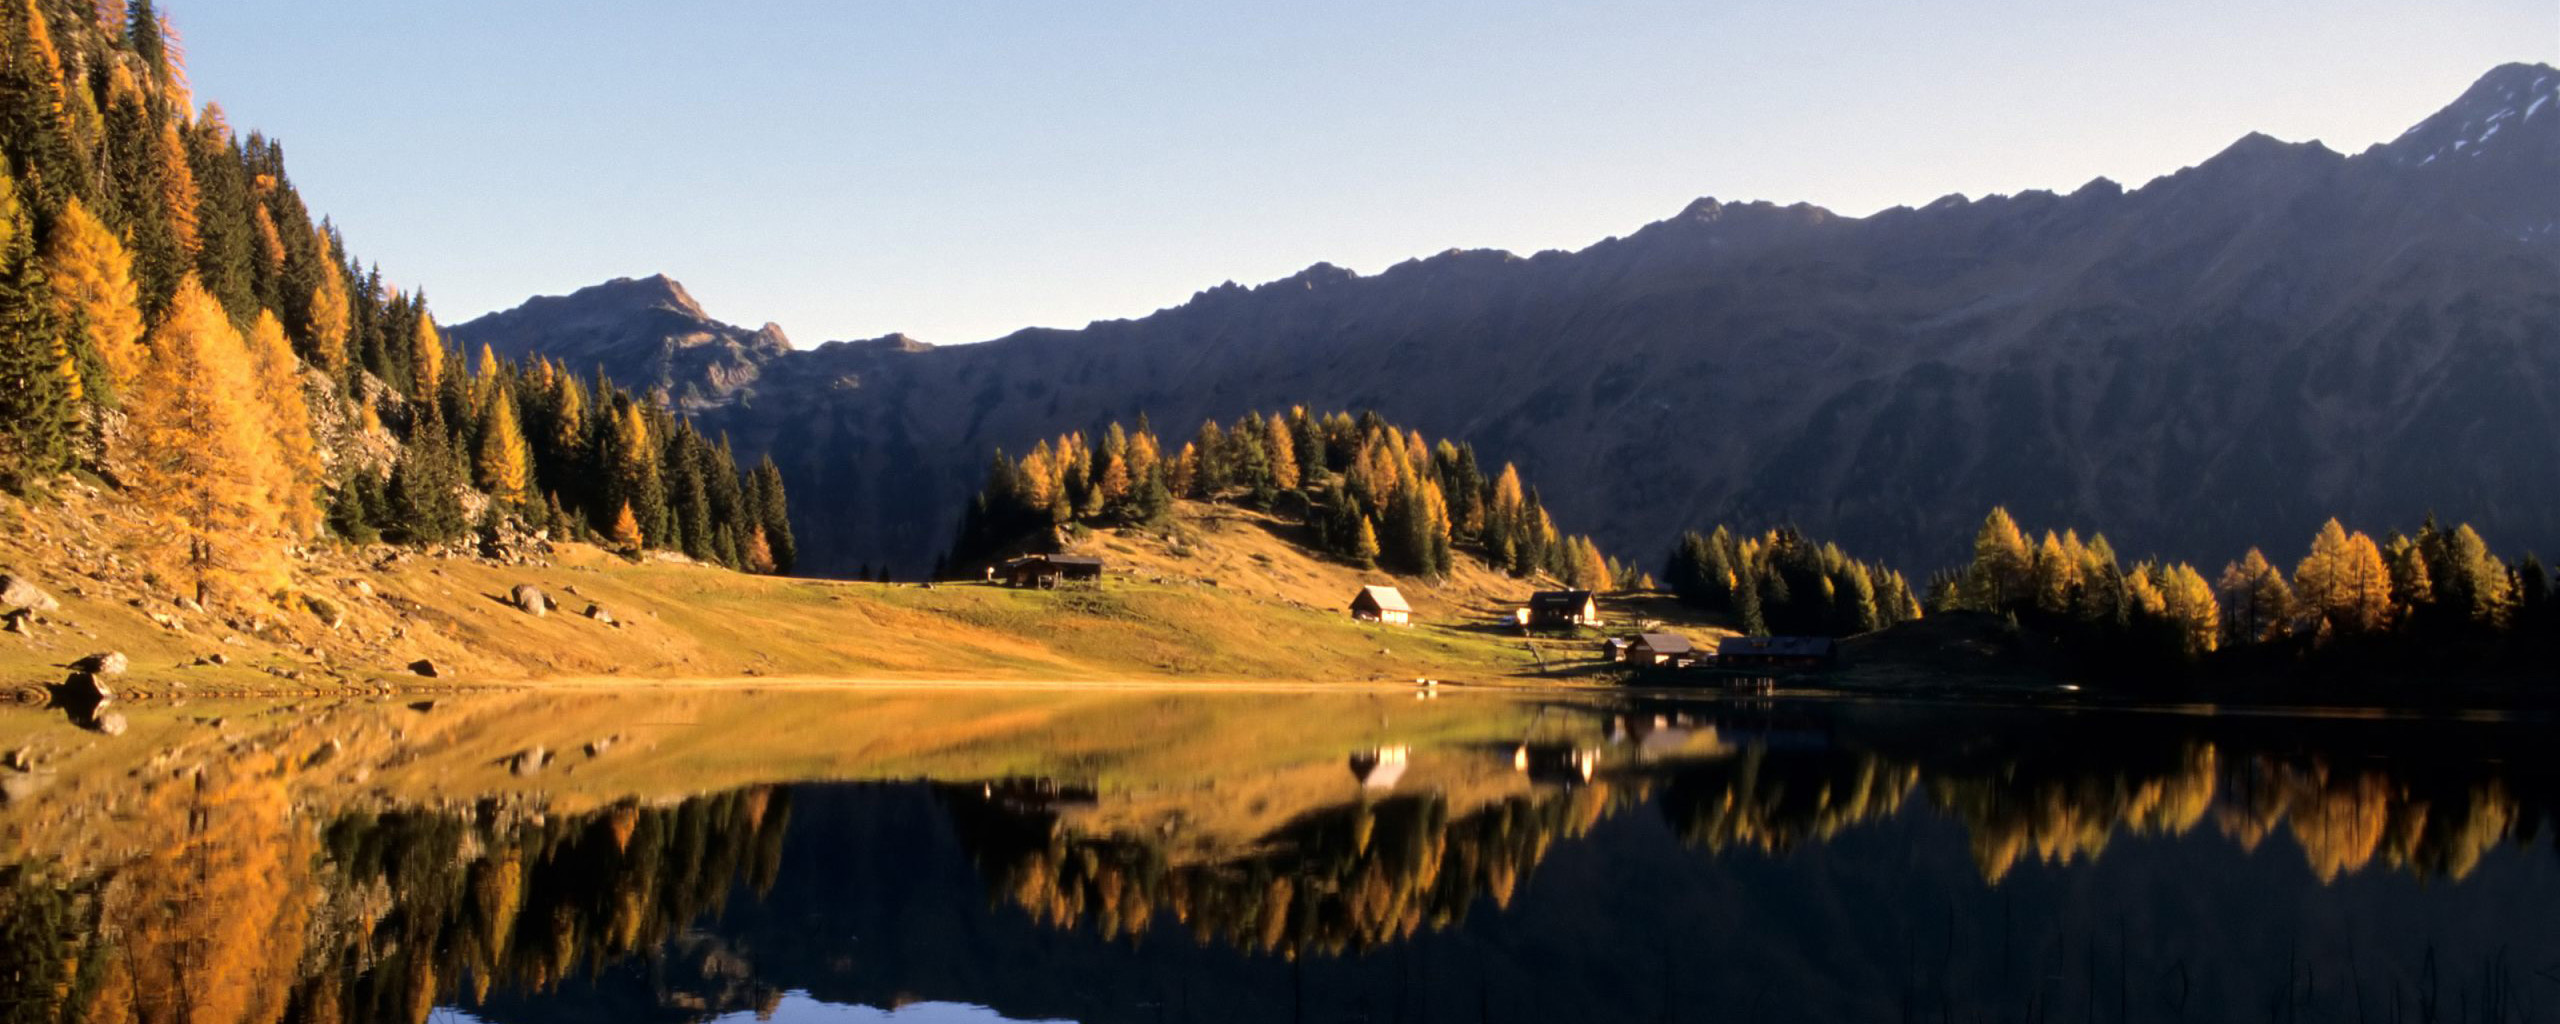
(2343, 581)
(1283, 451)
(330, 313)
(626, 530)
(202, 459)
(91, 274)
(2192, 608)
(2003, 563)
(177, 179)
(426, 358)
(1185, 472)
(504, 464)
(2258, 606)
(294, 486)
(759, 556)
(2366, 584)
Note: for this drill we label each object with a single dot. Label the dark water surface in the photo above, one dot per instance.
(1155, 857)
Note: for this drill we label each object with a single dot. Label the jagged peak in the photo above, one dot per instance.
(653, 290)
(1702, 208)
(2510, 102)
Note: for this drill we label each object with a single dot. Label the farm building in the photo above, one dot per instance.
(1777, 652)
(1045, 572)
(1661, 649)
(1563, 609)
(1381, 604)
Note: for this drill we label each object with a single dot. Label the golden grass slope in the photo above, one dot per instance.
(1221, 595)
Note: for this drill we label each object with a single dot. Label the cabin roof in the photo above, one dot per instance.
(1782, 646)
(1387, 599)
(1053, 560)
(1562, 599)
(1666, 643)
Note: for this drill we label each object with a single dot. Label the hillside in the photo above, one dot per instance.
(1220, 594)
(2217, 359)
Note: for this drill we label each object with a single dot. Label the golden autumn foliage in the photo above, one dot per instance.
(92, 278)
(178, 197)
(330, 316)
(626, 530)
(2343, 581)
(759, 555)
(204, 461)
(296, 476)
(426, 353)
(504, 464)
(211, 925)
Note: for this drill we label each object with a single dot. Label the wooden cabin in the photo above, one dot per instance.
(1045, 572)
(1794, 652)
(1662, 649)
(1563, 609)
(1381, 604)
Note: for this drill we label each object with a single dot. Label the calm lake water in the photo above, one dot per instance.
(1133, 856)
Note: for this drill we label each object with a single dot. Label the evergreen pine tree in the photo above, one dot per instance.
(774, 514)
(38, 381)
(425, 492)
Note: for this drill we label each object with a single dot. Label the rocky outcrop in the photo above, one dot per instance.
(648, 334)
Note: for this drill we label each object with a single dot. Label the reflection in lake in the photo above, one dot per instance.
(1307, 857)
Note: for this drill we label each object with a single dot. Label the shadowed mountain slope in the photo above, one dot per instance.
(2222, 357)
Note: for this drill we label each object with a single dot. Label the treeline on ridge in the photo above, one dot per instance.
(174, 321)
(1783, 583)
(1370, 493)
(2436, 599)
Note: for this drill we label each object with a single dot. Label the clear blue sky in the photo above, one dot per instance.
(956, 169)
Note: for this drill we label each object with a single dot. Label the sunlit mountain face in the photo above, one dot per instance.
(1467, 859)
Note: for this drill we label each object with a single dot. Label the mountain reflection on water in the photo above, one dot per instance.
(1478, 859)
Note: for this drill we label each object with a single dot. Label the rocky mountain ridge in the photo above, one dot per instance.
(2220, 358)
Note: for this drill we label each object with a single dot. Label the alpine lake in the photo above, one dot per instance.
(1201, 853)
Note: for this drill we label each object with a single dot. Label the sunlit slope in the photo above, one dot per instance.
(1221, 595)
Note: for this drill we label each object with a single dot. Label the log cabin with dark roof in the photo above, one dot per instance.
(1800, 652)
(1563, 609)
(1670, 649)
(1045, 572)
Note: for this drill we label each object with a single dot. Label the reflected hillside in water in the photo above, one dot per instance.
(1065, 855)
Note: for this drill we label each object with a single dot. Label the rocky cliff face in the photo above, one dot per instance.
(648, 334)
(2220, 358)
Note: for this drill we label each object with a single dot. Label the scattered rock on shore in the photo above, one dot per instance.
(17, 592)
(85, 689)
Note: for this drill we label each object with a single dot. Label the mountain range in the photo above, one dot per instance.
(2220, 358)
